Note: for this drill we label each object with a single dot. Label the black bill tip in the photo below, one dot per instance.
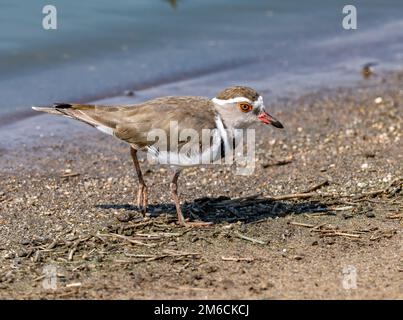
(277, 124)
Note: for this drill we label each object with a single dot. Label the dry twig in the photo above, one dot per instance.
(250, 239)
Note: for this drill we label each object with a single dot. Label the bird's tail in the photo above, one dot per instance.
(55, 109)
(82, 112)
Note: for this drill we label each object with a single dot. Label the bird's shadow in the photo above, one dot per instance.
(225, 209)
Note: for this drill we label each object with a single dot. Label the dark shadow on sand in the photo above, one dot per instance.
(224, 209)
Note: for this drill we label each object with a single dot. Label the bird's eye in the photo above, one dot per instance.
(245, 107)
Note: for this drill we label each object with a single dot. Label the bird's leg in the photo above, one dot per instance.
(142, 195)
(175, 197)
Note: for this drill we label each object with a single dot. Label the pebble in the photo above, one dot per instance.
(347, 215)
(128, 93)
(25, 242)
(21, 253)
(370, 214)
(9, 255)
(378, 100)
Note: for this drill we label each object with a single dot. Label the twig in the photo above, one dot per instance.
(193, 288)
(69, 175)
(278, 162)
(137, 225)
(238, 200)
(73, 285)
(71, 253)
(257, 221)
(317, 186)
(122, 261)
(320, 214)
(341, 208)
(138, 255)
(198, 224)
(370, 193)
(167, 253)
(395, 216)
(40, 278)
(52, 245)
(67, 294)
(318, 226)
(179, 253)
(237, 259)
(157, 235)
(343, 234)
(299, 196)
(132, 241)
(302, 224)
(250, 239)
(332, 232)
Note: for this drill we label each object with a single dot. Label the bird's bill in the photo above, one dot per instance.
(268, 119)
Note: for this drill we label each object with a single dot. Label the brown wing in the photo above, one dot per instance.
(188, 112)
(133, 123)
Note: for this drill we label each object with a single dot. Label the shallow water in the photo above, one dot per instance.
(102, 48)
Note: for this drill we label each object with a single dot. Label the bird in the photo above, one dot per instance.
(367, 69)
(236, 107)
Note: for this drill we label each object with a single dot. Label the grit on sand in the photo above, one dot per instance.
(321, 217)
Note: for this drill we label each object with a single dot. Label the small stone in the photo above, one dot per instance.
(21, 253)
(9, 255)
(25, 242)
(128, 93)
(378, 100)
(124, 217)
(210, 269)
(347, 215)
(266, 285)
(98, 259)
(370, 214)
(329, 241)
(369, 154)
(227, 284)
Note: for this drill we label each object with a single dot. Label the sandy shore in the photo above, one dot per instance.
(67, 191)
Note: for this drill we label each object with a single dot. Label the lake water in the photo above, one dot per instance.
(102, 48)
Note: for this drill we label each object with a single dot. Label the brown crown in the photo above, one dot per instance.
(238, 91)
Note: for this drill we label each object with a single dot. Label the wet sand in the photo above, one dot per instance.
(325, 198)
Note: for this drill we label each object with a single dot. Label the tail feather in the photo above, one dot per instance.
(51, 110)
(69, 110)
(84, 113)
(62, 106)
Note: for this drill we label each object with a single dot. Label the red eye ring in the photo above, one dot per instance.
(245, 107)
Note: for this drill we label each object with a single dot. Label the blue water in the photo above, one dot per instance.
(103, 47)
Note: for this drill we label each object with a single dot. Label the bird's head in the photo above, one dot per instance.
(241, 106)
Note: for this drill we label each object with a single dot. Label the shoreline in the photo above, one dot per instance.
(188, 78)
